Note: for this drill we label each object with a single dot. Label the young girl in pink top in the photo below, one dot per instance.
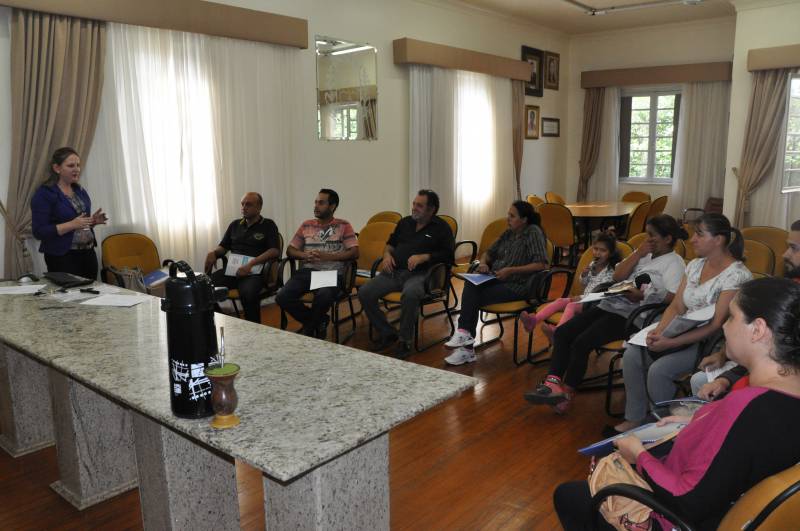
(605, 257)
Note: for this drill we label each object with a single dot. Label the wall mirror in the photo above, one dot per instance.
(347, 90)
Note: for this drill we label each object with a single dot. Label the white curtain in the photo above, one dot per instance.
(188, 124)
(604, 184)
(702, 144)
(460, 144)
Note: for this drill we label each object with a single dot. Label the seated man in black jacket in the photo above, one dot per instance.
(419, 241)
(253, 236)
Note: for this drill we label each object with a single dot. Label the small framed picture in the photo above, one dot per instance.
(552, 63)
(535, 57)
(551, 127)
(531, 121)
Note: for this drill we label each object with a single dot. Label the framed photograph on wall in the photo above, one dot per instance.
(551, 127)
(552, 64)
(531, 121)
(535, 57)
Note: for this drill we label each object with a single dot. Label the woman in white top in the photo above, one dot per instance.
(711, 279)
(594, 327)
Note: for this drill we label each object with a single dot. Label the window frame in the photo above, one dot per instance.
(625, 134)
(785, 188)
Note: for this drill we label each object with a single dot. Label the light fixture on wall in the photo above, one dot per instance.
(593, 11)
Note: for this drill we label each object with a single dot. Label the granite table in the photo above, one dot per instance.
(314, 416)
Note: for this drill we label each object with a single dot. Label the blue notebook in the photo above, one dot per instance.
(156, 277)
(648, 433)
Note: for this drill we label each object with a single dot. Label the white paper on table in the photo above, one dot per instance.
(72, 296)
(640, 337)
(27, 289)
(235, 261)
(323, 279)
(123, 301)
(593, 297)
(104, 288)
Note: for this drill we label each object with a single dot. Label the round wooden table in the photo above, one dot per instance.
(600, 213)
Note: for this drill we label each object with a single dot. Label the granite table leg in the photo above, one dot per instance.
(350, 492)
(183, 484)
(94, 435)
(26, 418)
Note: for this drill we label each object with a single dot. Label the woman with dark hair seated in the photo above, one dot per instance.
(593, 328)
(710, 279)
(732, 444)
(520, 251)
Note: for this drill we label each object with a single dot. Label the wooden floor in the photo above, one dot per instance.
(483, 460)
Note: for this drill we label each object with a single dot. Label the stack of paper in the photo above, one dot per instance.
(26, 289)
(124, 301)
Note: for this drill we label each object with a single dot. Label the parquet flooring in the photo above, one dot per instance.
(483, 460)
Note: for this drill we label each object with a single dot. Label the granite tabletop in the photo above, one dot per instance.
(302, 401)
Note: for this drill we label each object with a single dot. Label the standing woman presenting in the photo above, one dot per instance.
(61, 219)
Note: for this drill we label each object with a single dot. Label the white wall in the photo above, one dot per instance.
(694, 42)
(373, 175)
(5, 120)
(759, 24)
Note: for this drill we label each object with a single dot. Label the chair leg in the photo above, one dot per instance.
(236, 307)
(446, 310)
(610, 387)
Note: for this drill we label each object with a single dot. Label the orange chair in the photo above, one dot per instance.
(636, 220)
(129, 250)
(772, 237)
(386, 215)
(534, 200)
(559, 228)
(758, 257)
(658, 205)
(636, 197)
(553, 197)
(451, 222)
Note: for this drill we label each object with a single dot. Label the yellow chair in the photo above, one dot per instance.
(636, 220)
(534, 200)
(771, 505)
(772, 237)
(269, 275)
(553, 197)
(657, 206)
(386, 215)
(637, 239)
(538, 288)
(451, 222)
(371, 243)
(758, 257)
(129, 250)
(636, 197)
(559, 228)
(490, 235)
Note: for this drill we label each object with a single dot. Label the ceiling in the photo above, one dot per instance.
(564, 17)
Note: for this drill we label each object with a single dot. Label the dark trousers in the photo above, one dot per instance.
(473, 297)
(288, 298)
(573, 504)
(575, 339)
(82, 263)
(249, 292)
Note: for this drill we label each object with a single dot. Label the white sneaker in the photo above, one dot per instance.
(460, 339)
(460, 356)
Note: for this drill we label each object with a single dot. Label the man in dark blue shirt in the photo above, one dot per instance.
(252, 236)
(419, 241)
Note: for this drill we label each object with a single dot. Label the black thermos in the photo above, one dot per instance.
(191, 340)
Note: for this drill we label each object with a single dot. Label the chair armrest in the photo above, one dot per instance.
(437, 278)
(559, 271)
(655, 310)
(473, 266)
(374, 269)
(539, 286)
(167, 262)
(642, 496)
(473, 253)
(282, 270)
(349, 281)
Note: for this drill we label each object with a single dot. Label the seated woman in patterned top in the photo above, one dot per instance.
(518, 252)
(731, 444)
(711, 279)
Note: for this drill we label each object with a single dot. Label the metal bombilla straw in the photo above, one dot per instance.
(221, 357)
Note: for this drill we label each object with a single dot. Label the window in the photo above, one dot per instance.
(648, 134)
(345, 122)
(791, 154)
